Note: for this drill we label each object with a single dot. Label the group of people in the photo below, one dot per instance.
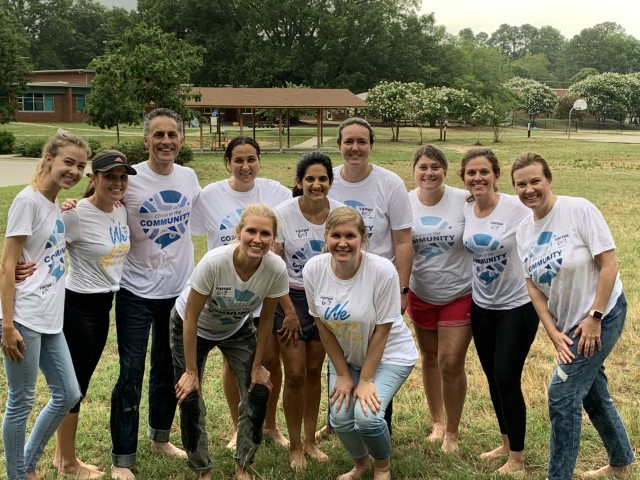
(326, 270)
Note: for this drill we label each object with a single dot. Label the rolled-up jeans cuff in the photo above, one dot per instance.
(158, 435)
(124, 461)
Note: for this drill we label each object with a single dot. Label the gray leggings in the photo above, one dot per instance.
(239, 351)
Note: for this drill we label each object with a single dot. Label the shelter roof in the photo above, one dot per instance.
(229, 97)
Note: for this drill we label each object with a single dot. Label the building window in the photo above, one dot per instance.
(80, 101)
(36, 102)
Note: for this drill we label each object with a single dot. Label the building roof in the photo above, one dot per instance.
(229, 97)
(59, 84)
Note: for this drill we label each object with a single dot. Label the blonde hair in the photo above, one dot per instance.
(257, 210)
(346, 215)
(61, 139)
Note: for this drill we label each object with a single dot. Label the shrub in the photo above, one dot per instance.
(7, 139)
(95, 145)
(136, 152)
(29, 148)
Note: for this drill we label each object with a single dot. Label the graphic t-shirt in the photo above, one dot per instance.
(158, 208)
(302, 239)
(441, 267)
(498, 282)
(220, 206)
(352, 308)
(231, 300)
(382, 200)
(39, 299)
(98, 243)
(557, 253)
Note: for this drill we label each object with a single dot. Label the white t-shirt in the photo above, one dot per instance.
(352, 308)
(301, 239)
(498, 282)
(39, 299)
(230, 300)
(98, 243)
(441, 268)
(220, 206)
(158, 208)
(558, 252)
(382, 200)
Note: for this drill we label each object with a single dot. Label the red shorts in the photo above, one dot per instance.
(427, 316)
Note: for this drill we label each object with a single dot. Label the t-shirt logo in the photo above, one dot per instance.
(165, 217)
(490, 257)
(231, 309)
(433, 244)
(542, 264)
(54, 251)
(310, 249)
(367, 214)
(229, 222)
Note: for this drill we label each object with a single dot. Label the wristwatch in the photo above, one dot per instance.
(404, 290)
(596, 314)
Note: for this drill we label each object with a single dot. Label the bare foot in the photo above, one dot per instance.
(381, 474)
(450, 442)
(57, 462)
(232, 443)
(169, 448)
(297, 460)
(276, 435)
(82, 472)
(323, 432)
(513, 468)
(437, 432)
(607, 471)
(205, 475)
(495, 453)
(121, 473)
(32, 476)
(361, 468)
(314, 452)
(241, 473)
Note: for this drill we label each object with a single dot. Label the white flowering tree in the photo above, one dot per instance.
(392, 101)
(444, 103)
(609, 95)
(534, 97)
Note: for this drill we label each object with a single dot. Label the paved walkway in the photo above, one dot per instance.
(16, 170)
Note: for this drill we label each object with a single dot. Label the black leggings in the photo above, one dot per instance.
(86, 326)
(503, 339)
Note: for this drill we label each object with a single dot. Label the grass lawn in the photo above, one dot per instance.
(606, 174)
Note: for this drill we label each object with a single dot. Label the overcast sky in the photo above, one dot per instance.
(568, 16)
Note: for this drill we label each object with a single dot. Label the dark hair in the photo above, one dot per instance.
(529, 158)
(234, 142)
(480, 152)
(91, 187)
(433, 153)
(161, 112)
(308, 159)
(355, 121)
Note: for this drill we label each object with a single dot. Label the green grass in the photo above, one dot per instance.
(606, 174)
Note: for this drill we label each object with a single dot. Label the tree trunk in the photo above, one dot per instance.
(117, 133)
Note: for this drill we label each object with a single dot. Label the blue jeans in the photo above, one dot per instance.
(50, 353)
(239, 351)
(584, 383)
(135, 317)
(362, 434)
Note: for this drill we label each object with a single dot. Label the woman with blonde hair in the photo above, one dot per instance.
(33, 310)
(354, 298)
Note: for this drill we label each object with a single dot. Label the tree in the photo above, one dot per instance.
(143, 67)
(13, 65)
(534, 66)
(608, 95)
(495, 112)
(534, 97)
(391, 101)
